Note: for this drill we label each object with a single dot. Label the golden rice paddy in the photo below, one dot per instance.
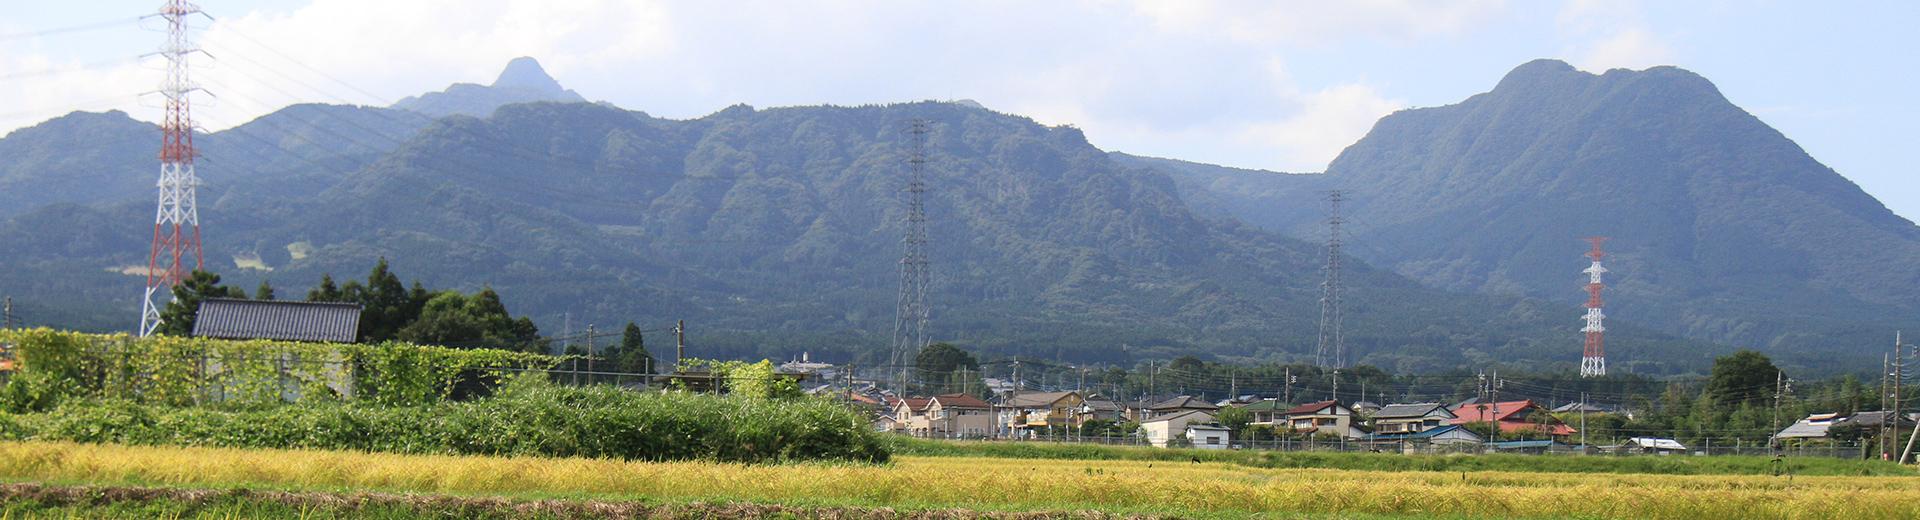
(988, 484)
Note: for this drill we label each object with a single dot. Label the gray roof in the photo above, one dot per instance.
(1577, 407)
(1185, 402)
(1408, 411)
(1037, 399)
(278, 320)
(1165, 418)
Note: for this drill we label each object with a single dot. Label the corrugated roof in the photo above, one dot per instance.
(278, 320)
(1177, 416)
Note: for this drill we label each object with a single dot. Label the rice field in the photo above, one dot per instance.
(1183, 489)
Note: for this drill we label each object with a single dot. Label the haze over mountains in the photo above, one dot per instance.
(775, 230)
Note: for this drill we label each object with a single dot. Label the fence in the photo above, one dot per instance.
(1322, 445)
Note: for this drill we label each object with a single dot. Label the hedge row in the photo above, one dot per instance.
(527, 417)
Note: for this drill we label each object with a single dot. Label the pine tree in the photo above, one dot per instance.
(264, 292)
(178, 317)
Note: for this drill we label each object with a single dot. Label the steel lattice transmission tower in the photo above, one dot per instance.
(912, 314)
(1593, 362)
(1332, 350)
(176, 223)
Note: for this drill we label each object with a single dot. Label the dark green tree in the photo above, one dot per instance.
(1742, 377)
(937, 364)
(631, 355)
(178, 317)
(480, 320)
(264, 291)
(326, 291)
(386, 305)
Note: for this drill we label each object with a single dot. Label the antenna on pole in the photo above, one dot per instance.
(1593, 362)
(176, 223)
(1332, 349)
(911, 313)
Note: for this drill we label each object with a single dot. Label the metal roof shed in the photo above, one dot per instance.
(227, 318)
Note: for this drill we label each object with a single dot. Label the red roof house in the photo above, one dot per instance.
(1512, 416)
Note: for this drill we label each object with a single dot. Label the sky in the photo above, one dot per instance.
(1282, 85)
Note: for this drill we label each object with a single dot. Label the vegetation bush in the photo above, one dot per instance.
(528, 417)
(165, 370)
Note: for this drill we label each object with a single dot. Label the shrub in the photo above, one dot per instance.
(527, 417)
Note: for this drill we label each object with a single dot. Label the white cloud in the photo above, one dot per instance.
(1610, 34)
(1328, 121)
(1317, 22)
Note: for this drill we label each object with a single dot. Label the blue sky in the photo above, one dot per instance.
(1275, 85)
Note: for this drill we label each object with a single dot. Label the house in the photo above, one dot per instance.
(1411, 418)
(1514, 417)
(1269, 412)
(1208, 436)
(1160, 430)
(230, 318)
(1579, 407)
(909, 414)
(1447, 435)
(1817, 426)
(1653, 445)
(1324, 417)
(1179, 404)
(955, 416)
(1020, 413)
(1097, 408)
(1366, 407)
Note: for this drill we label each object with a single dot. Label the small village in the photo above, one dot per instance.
(1184, 421)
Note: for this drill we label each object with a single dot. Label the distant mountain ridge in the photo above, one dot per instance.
(523, 81)
(774, 231)
(1723, 229)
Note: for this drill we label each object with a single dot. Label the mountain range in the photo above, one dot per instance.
(776, 230)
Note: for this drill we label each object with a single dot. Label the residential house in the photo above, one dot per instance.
(1578, 407)
(957, 415)
(1161, 430)
(1097, 408)
(909, 414)
(1022, 413)
(1270, 412)
(1514, 417)
(1411, 418)
(1180, 404)
(1813, 427)
(1208, 436)
(1366, 408)
(1324, 417)
(1653, 445)
(1447, 435)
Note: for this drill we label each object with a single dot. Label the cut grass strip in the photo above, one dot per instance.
(989, 484)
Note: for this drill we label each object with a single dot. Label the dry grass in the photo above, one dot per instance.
(991, 484)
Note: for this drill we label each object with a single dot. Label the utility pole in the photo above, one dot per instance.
(1892, 418)
(1583, 422)
(9, 313)
(1480, 396)
(679, 342)
(1336, 384)
(1779, 388)
(1233, 384)
(1150, 373)
(1289, 393)
(1885, 364)
(590, 371)
(1493, 417)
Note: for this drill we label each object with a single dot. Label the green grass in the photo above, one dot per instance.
(1658, 465)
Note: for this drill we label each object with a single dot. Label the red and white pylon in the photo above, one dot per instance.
(176, 222)
(1593, 362)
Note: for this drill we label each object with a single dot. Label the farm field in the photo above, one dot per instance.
(982, 484)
